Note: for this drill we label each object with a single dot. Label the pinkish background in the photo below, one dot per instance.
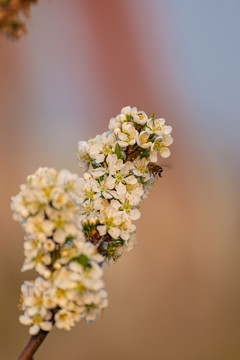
(176, 295)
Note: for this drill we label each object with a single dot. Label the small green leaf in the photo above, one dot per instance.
(152, 116)
(82, 260)
(94, 165)
(128, 117)
(69, 239)
(118, 151)
(145, 153)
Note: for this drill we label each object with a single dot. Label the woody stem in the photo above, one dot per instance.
(33, 344)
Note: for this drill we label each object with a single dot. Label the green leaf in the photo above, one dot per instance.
(69, 239)
(118, 151)
(145, 153)
(152, 116)
(82, 259)
(121, 243)
(128, 117)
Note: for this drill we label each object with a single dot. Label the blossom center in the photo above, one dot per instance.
(158, 145)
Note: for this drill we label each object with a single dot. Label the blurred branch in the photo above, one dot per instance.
(12, 13)
(33, 344)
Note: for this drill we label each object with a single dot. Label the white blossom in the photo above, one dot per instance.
(143, 140)
(140, 117)
(110, 221)
(127, 135)
(83, 154)
(140, 168)
(114, 123)
(155, 126)
(161, 144)
(35, 313)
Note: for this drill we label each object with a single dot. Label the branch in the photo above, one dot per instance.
(33, 344)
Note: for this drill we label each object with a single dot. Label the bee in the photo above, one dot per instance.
(155, 169)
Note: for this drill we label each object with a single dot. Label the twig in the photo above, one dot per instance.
(33, 344)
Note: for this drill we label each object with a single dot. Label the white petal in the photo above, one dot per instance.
(167, 140)
(149, 131)
(125, 235)
(123, 137)
(86, 176)
(34, 329)
(111, 158)
(99, 158)
(28, 265)
(102, 230)
(59, 236)
(165, 152)
(126, 110)
(97, 173)
(122, 143)
(117, 131)
(167, 130)
(25, 320)
(32, 311)
(29, 301)
(48, 227)
(160, 121)
(46, 259)
(134, 199)
(46, 326)
(110, 182)
(145, 145)
(113, 124)
(128, 245)
(94, 150)
(49, 302)
(121, 189)
(153, 156)
(128, 127)
(82, 145)
(115, 204)
(114, 232)
(130, 180)
(106, 195)
(71, 229)
(135, 214)
(132, 142)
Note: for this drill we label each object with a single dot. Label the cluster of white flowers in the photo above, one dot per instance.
(73, 225)
(117, 177)
(71, 287)
(73, 293)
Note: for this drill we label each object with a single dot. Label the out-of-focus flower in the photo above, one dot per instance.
(12, 13)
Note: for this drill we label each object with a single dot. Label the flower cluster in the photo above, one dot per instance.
(75, 224)
(71, 287)
(118, 176)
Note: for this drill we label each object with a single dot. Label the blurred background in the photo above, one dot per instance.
(176, 295)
